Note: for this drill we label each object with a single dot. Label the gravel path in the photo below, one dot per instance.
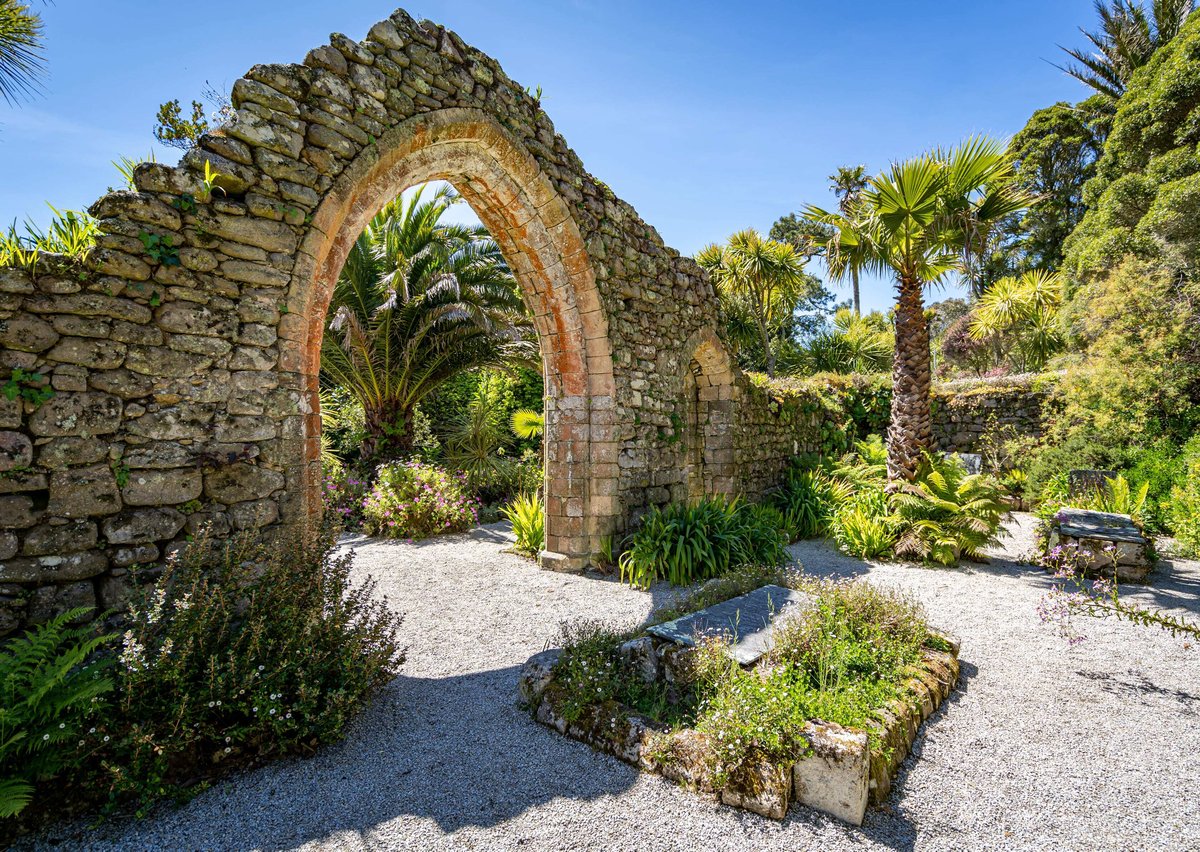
(1042, 747)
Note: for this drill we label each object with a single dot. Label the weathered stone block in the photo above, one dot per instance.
(142, 526)
(162, 487)
(27, 333)
(83, 414)
(50, 539)
(835, 777)
(239, 482)
(53, 569)
(83, 492)
(253, 514)
(16, 451)
(88, 352)
(18, 512)
(51, 601)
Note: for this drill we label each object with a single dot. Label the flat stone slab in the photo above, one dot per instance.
(747, 620)
(1106, 526)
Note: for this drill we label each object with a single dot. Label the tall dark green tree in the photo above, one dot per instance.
(1054, 156)
(418, 302)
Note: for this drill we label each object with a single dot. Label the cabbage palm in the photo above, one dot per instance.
(758, 278)
(1127, 38)
(920, 221)
(1023, 309)
(418, 302)
(855, 344)
(844, 263)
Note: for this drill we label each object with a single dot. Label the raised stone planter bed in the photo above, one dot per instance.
(1108, 544)
(844, 769)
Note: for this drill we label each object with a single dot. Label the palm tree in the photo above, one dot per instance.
(21, 63)
(919, 221)
(418, 302)
(1023, 312)
(1126, 40)
(759, 278)
(847, 184)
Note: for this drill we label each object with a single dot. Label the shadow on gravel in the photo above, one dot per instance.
(456, 751)
(1138, 687)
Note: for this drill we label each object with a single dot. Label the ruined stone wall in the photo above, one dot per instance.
(169, 379)
(965, 411)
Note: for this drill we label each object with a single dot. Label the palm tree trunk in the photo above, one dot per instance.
(389, 432)
(911, 429)
(857, 300)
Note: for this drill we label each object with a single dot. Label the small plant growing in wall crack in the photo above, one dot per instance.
(211, 178)
(120, 472)
(27, 386)
(160, 249)
(185, 203)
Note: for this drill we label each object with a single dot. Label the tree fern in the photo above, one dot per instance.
(47, 687)
(947, 514)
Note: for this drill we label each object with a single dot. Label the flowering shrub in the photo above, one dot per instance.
(342, 494)
(1095, 597)
(416, 500)
(239, 651)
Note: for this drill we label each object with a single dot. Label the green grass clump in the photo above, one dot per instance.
(684, 544)
(528, 517)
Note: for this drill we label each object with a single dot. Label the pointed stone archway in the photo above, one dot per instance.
(541, 243)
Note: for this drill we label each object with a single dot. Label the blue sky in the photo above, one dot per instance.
(706, 116)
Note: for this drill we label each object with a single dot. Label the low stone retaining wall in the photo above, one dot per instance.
(845, 769)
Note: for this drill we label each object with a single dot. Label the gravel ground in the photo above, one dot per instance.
(1042, 747)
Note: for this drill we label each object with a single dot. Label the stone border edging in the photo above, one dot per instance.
(838, 777)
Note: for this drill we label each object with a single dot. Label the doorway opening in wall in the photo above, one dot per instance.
(431, 379)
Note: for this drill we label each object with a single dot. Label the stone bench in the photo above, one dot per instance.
(1110, 545)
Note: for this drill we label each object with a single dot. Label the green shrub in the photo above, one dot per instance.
(241, 650)
(683, 544)
(528, 517)
(1184, 516)
(416, 500)
(49, 686)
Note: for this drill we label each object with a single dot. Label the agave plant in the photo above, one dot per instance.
(947, 514)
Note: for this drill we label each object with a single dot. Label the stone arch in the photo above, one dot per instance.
(710, 397)
(542, 244)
